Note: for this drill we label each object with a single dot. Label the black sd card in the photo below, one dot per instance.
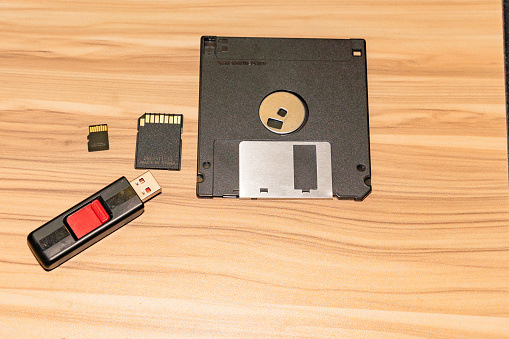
(98, 138)
(159, 143)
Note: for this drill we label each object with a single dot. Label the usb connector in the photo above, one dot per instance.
(146, 186)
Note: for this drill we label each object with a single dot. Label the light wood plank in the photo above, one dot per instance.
(425, 255)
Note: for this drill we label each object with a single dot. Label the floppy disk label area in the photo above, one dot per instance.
(285, 169)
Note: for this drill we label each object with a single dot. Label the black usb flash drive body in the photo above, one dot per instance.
(91, 220)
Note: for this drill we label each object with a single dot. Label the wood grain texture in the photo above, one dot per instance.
(425, 255)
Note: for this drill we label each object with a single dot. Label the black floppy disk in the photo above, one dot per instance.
(283, 118)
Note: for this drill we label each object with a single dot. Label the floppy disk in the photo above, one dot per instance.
(283, 118)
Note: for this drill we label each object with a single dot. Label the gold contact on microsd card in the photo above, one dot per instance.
(159, 143)
(98, 138)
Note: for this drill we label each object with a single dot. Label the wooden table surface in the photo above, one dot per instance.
(425, 255)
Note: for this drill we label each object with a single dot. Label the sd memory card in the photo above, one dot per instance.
(98, 138)
(159, 143)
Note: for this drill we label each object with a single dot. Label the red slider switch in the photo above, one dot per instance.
(88, 218)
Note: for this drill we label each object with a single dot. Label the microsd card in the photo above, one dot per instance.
(159, 143)
(98, 138)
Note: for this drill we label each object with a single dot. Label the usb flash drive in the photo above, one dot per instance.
(91, 220)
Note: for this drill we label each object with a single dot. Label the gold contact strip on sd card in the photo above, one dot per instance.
(98, 128)
(160, 119)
